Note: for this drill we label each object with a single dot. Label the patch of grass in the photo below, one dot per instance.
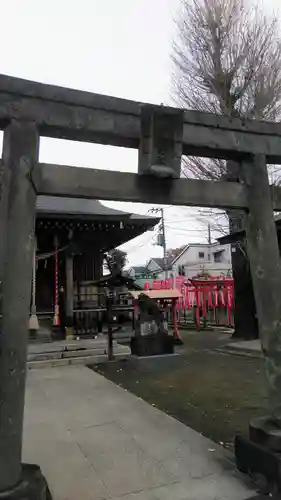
(213, 393)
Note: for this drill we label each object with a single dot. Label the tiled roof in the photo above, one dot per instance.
(160, 262)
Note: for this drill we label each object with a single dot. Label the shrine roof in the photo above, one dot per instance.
(240, 234)
(54, 206)
(158, 294)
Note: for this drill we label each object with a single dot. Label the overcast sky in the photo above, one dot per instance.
(120, 48)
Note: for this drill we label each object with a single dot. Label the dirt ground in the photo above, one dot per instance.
(214, 393)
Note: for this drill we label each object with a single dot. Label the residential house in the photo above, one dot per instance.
(213, 260)
(194, 259)
(137, 272)
(156, 267)
(141, 274)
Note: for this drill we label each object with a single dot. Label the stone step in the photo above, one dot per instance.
(82, 360)
(67, 354)
(69, 345)
(239, 351)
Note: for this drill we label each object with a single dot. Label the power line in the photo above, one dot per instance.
(189, 222)
(200, 219)
(157, 210)
(199, 230)
(187, 230)
(134, 249)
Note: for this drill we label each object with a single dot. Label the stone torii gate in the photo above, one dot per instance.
(162, 135)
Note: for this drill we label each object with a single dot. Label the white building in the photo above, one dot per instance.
(196, 258)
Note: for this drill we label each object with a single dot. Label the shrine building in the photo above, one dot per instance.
(72, 236)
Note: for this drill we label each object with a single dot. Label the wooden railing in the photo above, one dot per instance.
(90, 313)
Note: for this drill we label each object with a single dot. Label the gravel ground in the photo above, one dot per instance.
(214, 393)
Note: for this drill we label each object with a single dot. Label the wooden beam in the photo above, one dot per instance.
(84, 116)
(58, 180)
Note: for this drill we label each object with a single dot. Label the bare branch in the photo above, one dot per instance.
(226, 60)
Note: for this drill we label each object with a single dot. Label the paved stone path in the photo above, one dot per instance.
(96, 441)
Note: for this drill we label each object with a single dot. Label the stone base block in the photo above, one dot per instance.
(57, 333)
(265, 431)
(259, 462)
(152, 345)
(32, 334)
(178, 342)
(33, 486)
(264, 497)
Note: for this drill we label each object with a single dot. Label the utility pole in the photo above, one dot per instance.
(209, 234)
(164, 244)
(209, 241)
(162, 233)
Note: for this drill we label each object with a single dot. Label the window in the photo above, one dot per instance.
(181, 270)
(218, 256)
(201, 255)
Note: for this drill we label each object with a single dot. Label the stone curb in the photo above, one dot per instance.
(86, 360)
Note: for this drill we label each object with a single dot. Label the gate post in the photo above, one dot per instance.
(265, 264)
(4, 198)
(20, 154)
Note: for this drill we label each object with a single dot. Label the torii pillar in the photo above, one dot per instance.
(20, 155)
(261, 454)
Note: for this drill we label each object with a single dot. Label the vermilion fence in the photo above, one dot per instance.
(209, 300)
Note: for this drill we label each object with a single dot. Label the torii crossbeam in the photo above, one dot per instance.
(162, 135)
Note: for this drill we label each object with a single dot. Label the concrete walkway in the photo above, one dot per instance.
(250, 345)
(96, 441)
(251, 348)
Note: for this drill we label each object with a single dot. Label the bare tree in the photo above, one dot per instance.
(115, 261)
(227, 60)
(173, 253)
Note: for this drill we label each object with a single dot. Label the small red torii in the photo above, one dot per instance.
(200, 294)
(211, 293)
